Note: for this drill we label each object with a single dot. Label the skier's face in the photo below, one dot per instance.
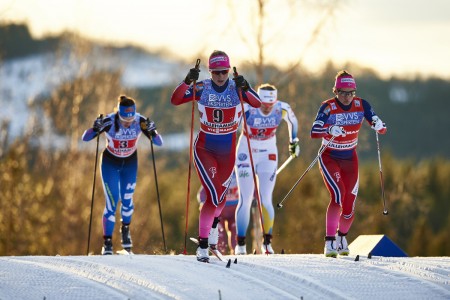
(219, 77)
(126, 122)
(345, 95)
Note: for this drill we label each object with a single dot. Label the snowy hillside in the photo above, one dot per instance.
(23, 79)
(305, 276)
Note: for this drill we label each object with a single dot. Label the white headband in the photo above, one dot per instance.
(267, 96)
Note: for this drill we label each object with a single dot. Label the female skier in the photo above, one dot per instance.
(220, 113)
(341, 117)
(262, 124)
(119, 165)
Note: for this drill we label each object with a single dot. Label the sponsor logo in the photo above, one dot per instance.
(273, 175)
(347, 80)
(243, 166)
(262, 122)
(348, 118)
(242, 156)
(213, 171)
(343, 146)
(131, 186)
(243, 174)
(222, 98)
(352, 132)
(217, 59)
(220, 125)
(337, 175)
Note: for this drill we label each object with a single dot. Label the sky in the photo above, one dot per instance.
(288, 276)
(400, 38)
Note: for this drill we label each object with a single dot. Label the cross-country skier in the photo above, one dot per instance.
(341, 117)
(262, 124)
(215, 145)
(119, 164)
(227, 224)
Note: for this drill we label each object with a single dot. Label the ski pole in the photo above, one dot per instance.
(197, 64)
(157, 196)
(93, 190)
(385, 211)
(285, 164)
(244, 117)
(280, 205)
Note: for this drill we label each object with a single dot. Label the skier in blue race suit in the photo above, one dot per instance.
(119, 164)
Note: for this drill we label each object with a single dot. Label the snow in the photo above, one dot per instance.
(279, 276)
(22, 80)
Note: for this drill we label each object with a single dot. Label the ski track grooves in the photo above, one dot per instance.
(109, 282)
(307, 276)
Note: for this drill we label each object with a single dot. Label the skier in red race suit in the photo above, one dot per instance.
(220, 113)
(341, 117)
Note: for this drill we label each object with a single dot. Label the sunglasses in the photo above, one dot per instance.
(223, 72)
(126, 120)
(344, 93)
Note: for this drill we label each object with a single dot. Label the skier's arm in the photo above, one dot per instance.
(292, 123)
(148, 128)
(100, 125)
(184, 93)
(372, 118)
(251, 97)
(248, 94)
(291, 120)
(319, 129)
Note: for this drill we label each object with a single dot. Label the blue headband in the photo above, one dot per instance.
(127, 111)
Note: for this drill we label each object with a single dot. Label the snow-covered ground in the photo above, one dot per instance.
(297, 276)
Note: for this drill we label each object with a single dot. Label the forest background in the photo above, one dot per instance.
(46, 191)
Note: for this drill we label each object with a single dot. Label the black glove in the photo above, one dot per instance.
(191, 76)
(149, 127)
(294, 148)
(98, 125)
(241, 83)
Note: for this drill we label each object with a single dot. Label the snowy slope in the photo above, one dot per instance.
(302, 276)
(24, 79)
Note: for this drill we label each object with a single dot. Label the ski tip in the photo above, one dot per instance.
(357, 258)
(369, 256)
(235, 260)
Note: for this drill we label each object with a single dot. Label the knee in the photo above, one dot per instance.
(109, 215)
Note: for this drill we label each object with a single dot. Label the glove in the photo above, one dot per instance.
(150, 127)
(294, 148)
(192, 76)
(241, 83)
(98, 125)
(377, 124)
(335, 130)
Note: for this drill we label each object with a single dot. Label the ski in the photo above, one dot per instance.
(124, 252)
(215, 252)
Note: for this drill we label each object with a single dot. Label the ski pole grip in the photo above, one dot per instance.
(197, 63)
(235, 73)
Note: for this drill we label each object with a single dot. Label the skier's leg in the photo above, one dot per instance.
(110, 179)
